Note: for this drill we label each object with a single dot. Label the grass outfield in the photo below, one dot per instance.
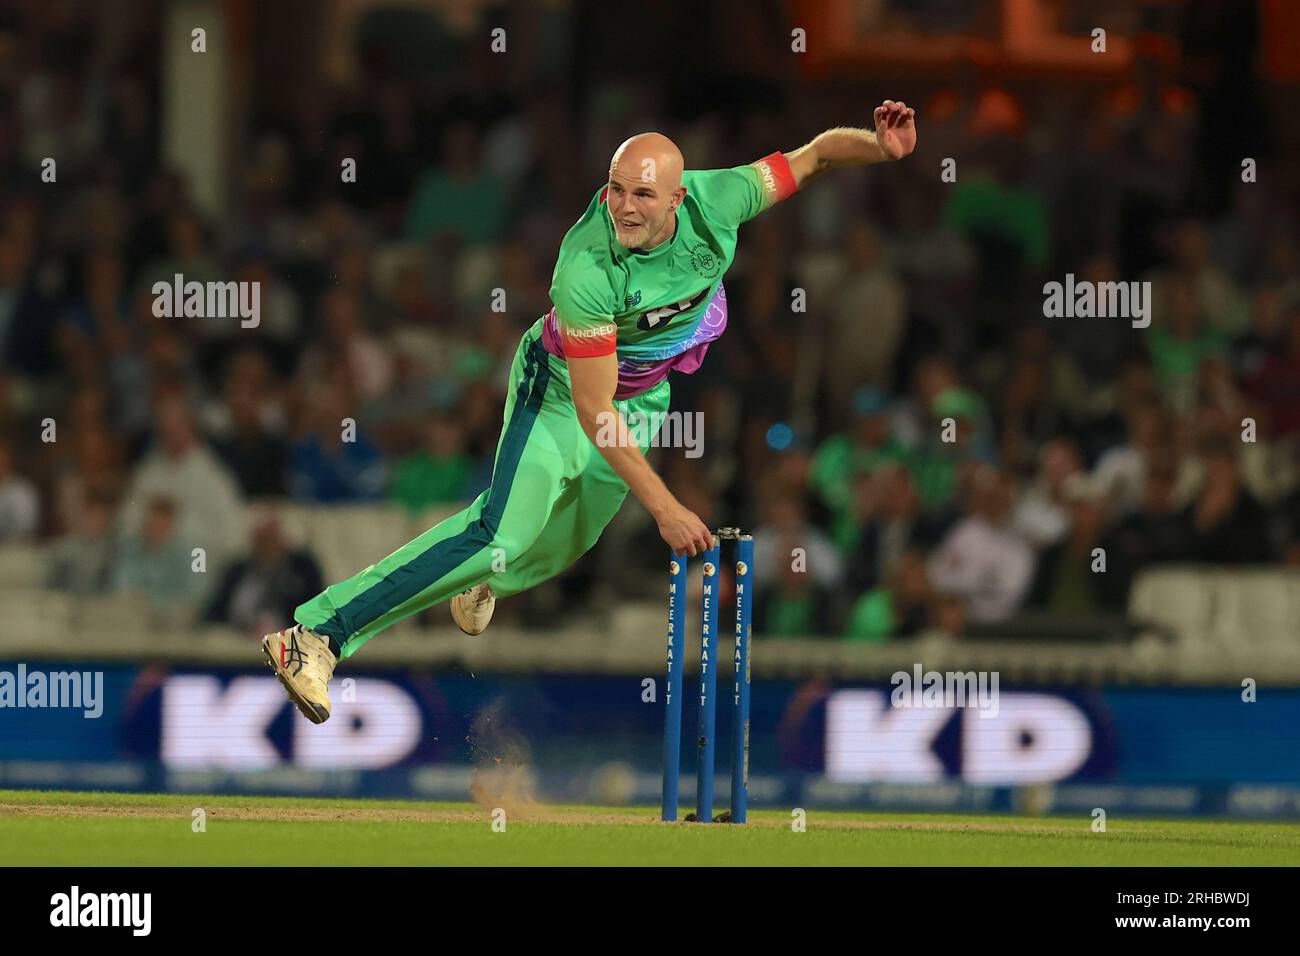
(76, 829)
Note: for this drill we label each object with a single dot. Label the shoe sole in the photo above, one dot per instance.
(464, 629)
(313, 712)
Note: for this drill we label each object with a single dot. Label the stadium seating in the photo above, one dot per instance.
(1190, 622)
(23, 565)
(1214, 610)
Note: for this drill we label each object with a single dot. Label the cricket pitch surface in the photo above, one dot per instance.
(61, 828)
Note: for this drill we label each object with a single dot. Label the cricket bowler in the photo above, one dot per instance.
(636, 293)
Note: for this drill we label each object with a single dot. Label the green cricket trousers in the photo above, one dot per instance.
(551, 496)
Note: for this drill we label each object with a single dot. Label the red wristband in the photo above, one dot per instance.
(782, 184)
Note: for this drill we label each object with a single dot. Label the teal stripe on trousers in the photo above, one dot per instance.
(404, 583)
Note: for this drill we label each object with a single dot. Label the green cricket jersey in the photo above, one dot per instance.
(658, 309)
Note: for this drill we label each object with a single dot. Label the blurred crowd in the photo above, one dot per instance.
(915, 445)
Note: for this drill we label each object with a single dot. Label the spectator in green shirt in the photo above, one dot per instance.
(461, 197)
(937, 465)
(1181, 342)
(794, 605)
(845, 457)
(899, 609)
(439, 473)
(983, 207)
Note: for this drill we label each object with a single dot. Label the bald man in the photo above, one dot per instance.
(637, 293)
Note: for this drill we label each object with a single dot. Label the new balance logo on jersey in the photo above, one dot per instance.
(661, 316)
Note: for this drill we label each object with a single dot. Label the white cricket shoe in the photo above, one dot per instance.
(302, 660)
(472, 609)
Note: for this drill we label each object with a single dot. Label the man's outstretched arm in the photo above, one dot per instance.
(893, 138)
(593, 381)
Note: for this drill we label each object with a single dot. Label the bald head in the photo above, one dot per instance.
(645, 189)
(649, 158)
